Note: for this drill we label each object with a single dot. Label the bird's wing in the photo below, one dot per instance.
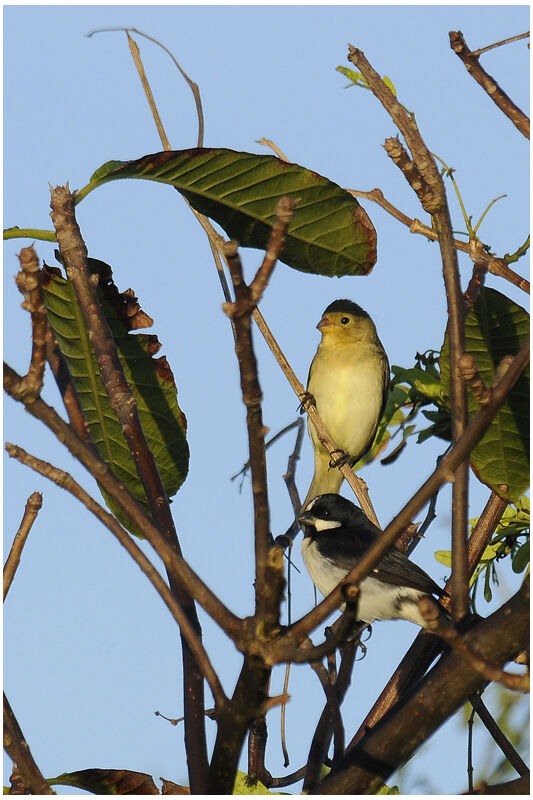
(396, 569)
(385, 371)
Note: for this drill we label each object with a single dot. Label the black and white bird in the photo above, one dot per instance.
(337, 534)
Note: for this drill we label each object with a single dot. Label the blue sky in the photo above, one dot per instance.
(90, 650)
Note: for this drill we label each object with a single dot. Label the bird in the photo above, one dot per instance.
(337, 533)
(349, 385)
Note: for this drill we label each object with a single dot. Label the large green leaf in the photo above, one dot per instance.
(150, 378)
(496, 327)
(330, 233)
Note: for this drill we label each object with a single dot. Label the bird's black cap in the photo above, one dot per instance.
(346, 307)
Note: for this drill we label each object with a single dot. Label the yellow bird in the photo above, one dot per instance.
(349, 381)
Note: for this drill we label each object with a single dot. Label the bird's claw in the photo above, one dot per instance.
(343, 458)
(307, 400)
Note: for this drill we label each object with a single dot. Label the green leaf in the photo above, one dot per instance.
(444, 557)
(355, 78)
(521, 558)
(107, 781)
(244, 785)
(426, 384)
(496, 327)
(330, 233)
(150, 379)
(487, 591)
(388, 790)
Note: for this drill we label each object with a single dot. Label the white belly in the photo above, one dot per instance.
(376, 600)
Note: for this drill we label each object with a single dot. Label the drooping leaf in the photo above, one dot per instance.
(521, 558)
(150, 379)
(107, 781)
(494, 328)
(330, 233)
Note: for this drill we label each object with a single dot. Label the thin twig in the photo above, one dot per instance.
(18, 750)
(487, 82)
(496, 266)
(516, 38)
(470, 765)
(192, 86)
(136, 55)
(498, 735)
(437, 623)
(269, 143)
(316, 754)
(33, 506)
(66, 482)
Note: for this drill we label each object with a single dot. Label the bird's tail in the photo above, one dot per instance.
(325, 479)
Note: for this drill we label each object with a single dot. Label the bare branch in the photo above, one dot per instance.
(192, 86)
(496, 266)
(33, 506)
(487, 82)
(101, 471)
(498, 735)
(252, 397)
(426, 180)
(438, 624)
(28, 281)
(390, 744)
(519, 36)
(65, 481)
(18, 750)
(124, 405)
(424, 649)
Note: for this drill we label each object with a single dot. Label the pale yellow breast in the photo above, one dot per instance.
(346, 383)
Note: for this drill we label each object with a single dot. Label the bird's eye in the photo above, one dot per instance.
(345, 320)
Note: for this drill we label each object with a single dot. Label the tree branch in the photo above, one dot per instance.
(65, 481)
(124, 405)
(437, 624)
(390, 744)
(498, 735)
(33, 506)
(28, 281)
(496, 266)
(18, 750)
(425, 648)
(87, 455)
(425, 178)
(487, 82)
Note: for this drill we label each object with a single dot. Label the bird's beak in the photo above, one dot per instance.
(306, 518)
(325, 322)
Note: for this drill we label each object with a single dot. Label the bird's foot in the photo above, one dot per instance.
(307, 400)
(343, 458)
